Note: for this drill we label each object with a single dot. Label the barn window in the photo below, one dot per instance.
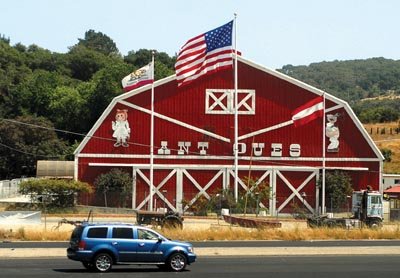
(221, 101)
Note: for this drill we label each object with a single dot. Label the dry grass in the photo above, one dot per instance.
(387, 141)
(226, 233)
(234, 233)
(34, 234)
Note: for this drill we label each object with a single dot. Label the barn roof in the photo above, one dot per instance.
(339, 103)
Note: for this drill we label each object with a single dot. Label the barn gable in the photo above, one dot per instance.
(194, 136)
(218, 108)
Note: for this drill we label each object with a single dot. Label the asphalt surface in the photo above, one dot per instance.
(210, 267)
(228, 248)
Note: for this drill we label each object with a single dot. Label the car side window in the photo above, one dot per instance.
(122, 233)
(145, 234)
(97, 232)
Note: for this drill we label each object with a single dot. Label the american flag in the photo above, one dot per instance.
(204, 54)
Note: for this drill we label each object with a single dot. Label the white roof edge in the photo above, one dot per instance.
(364, 132)
(146, 87)
(95, 126)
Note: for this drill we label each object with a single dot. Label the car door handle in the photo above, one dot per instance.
(141, 244)
(115, 243)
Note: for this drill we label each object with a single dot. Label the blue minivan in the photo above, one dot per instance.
(100, 246)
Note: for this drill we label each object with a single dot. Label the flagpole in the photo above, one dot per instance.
(152, 137)
(323, 158)
(236, 115)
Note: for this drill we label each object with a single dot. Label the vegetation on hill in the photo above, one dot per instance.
(371, 86)
(351, 80)
(59, 91)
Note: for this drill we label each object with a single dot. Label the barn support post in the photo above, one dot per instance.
(317, 208)
(133, 188)
(179, 191)
(225, 182)
(273, 200)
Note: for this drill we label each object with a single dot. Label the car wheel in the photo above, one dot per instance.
(374, 224)
(103, 262)
(88, 265)
(330, 224)
(177, 262)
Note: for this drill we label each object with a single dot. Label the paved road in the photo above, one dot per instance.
(232, 267)
(227, 248)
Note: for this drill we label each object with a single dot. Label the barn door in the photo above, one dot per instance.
(295, 191)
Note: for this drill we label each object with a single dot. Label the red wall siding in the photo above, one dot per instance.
(275, 100)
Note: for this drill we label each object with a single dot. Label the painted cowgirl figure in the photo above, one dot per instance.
(121, 128)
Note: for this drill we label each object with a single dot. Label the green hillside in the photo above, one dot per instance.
(351, 80)
(371, 86)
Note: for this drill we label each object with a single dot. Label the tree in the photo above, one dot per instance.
(4, 39)
(65, 109)
(40, 58)
(117, 181)
(139, 58)
(161, 70)
(337, 187)
(164, 65)
(56, 193)
(379, 114)
(84, 62)
(106, 84)
(13, 71)
(25, 140)
(99, 42)
(387, 154)
(33, 95)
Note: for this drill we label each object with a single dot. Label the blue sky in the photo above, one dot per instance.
(271, 33)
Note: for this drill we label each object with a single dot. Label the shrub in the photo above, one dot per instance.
(338, 186)
(55, 193)
(387, 154)
(115, 180)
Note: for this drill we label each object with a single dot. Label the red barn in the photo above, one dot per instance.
(194, 136)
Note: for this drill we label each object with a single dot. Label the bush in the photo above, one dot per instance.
(116, 180)
(55, 193)
(387, 154)
(338, 186)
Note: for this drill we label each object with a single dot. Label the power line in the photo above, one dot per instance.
(66, 131)
(131, 143)
(28, 153)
